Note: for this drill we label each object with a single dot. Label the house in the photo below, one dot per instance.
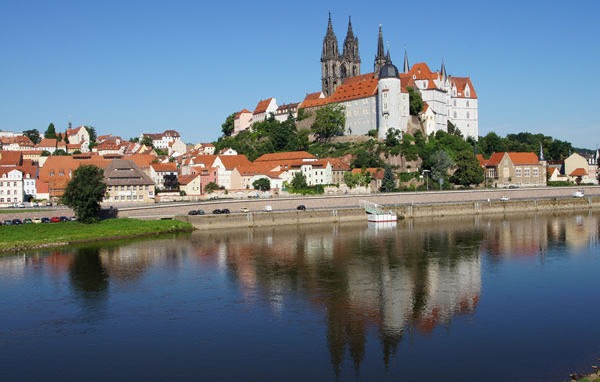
(339, 167)
(244, 176)
(161, 140)
(16, 143)
(576, 169)
(225, 165)
(177, 148)
(242, 121)
(190, 184)
(163, 174)
(376, 177)
(283, 112)
(79, 136)
(289, 163)
(47, 144)
(263, 109)
(11, 186)
(513, 169)
(127, 183)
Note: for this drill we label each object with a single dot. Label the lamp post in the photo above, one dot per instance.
(426, 174)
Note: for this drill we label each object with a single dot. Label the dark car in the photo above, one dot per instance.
(225, 211)
(65, 219)
(217, 212)
(200, 212)
(17, 221)
(192, 212)
(301, 207)
(55, 219)
(8, 222)
(46, 220)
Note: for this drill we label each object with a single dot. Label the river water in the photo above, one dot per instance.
(472, 299)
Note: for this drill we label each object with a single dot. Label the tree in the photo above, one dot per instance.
(388, 184)
(299, 181)
(92, 132)
(329, 122)
(415, 101)
(210, 187)
(147, 141)
(351, 180)
(50, 132)
(33, 135)
(228, 126)
(468, 171)
(262, 184)
(170, 182)
(453, 130)
(84, 193)
(440, 163)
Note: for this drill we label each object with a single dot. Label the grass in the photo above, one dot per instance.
(20, 210)
(30, 236)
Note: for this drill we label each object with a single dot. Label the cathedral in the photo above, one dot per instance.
(446, 98)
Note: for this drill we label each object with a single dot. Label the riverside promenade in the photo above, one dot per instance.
(340, 208)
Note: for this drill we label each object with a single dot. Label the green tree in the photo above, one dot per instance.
(351, 180)
(299, 181)
(147, 141)
(388, 184)
(262, 184)
(228, 126)
(59, 153)
(92, 132)
(453, 130)
(468, 171)
(33, 135)
(210, 187)
(415, 101)
(329, 122)
(440, 163)
(85, 192)
(50, 132)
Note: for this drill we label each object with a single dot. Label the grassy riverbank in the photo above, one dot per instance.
(31, 236)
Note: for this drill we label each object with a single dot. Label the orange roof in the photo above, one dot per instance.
(187, 179)
(164, 167)
(288, 155)
(10, 158)
(376, 173)
(143, 161)
(461, 83)
(578, 172)
(205, 160)
(232, 161)
(245, 111)
(515, 158)
(338, 164)
(47, 142)
(355, 88)
(262, 106)
(313, 96)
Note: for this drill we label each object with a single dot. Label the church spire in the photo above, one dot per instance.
(330, 45)
(350, 51)
(380, 57)
(406, 65)
(443, 71)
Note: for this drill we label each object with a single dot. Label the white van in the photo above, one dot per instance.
(268, 208)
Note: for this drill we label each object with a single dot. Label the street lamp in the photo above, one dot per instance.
(426, 174)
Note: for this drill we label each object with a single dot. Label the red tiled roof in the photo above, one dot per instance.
(523, 158)
(232, 161)
(461, 83)
(187, 179)
(578, 172)
(262, 106)
(47, 142)
(164, 167)
(10, 158)
(313, 96)
(288, 155)
(245, 111)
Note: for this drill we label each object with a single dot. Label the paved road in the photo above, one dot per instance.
(168, 210)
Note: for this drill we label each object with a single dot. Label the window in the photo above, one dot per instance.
(518, 172)
(536, 172)
(467, 103)
(527, 172)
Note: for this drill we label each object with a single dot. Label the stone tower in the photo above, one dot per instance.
(335, 68)
(380, 58)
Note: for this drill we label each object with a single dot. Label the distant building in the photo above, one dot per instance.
(513, 169)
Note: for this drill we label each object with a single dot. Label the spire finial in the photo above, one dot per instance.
(406, 65)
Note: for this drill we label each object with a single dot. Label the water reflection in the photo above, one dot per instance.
(398, 280)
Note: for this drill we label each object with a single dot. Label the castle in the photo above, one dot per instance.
(379, 100)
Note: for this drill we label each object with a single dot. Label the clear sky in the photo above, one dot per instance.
(127, 67)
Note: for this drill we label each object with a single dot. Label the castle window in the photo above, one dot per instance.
(468, 115)
(454, 114)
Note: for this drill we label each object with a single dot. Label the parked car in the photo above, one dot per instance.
(217, 211)
(65, 219)
(17, 221)
(27, 221)
(268, 208)
(225, 211)
(7, 222)
(35, 204)
(301, 207)
(55, 219)
(192, 212)
(244, 210)
(73, 218)
(578, 194)
(21, 205)
(36, 220)
(505, 198)
(46, 220)
(200, 212)
(48, 204)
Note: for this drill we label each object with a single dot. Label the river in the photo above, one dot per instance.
(469, 299)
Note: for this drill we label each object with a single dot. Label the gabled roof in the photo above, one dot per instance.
(288, 155)
(517, 158)
(338, 164)
(125, 172)
(461, 83)
(232, 161)
(262, 106)
(187, 179)
(578, 172)
(314, 96)
(355, 88)
(239, 113)
(11, 158)
(47, 142)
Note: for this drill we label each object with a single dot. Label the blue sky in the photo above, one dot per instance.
(127, 67)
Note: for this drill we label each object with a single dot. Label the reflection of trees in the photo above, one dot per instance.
(89, 280)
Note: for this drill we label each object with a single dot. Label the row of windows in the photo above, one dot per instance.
(15, 192)
(125, 197)
(526, 172)
(7, 184)
(8, 200)
(128, 188)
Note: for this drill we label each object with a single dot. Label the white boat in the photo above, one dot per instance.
(376, 214)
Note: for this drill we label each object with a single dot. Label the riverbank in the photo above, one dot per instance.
(34, 236)
(403, 210)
